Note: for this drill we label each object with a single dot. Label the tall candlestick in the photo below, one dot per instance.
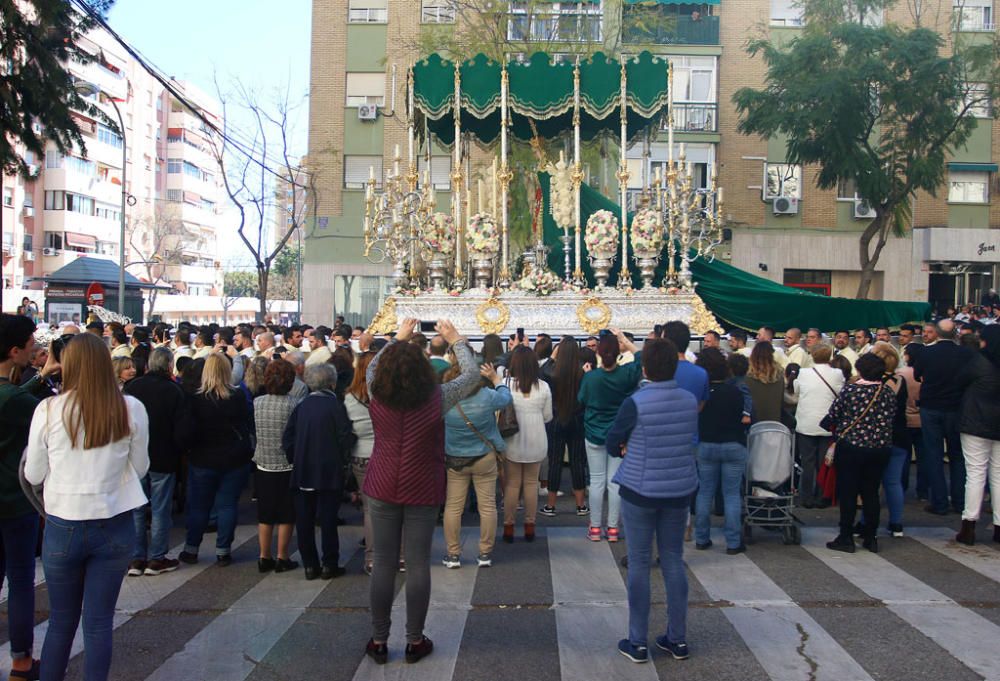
(409, 116)
(493, 190)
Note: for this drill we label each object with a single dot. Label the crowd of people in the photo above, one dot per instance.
(110, 429)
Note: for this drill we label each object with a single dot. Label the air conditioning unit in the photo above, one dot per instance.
(863, 210)
(29, 211)
(32, 169)
(29, 256)
(50, 251)
(367, 112)
(786, 205)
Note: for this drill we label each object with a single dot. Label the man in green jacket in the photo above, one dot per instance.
(18, 519)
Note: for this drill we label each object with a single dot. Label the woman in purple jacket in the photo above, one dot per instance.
(405, 481)
(654, 433)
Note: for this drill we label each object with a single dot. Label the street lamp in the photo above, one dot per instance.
(86, 89)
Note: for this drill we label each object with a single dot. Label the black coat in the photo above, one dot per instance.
(317, 441)
(937, 367)
(222, 432)
(980, 413)
(171, 430)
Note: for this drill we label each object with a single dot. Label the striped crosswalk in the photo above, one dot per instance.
(922, 608)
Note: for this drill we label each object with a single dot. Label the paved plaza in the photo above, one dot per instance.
(923, 608)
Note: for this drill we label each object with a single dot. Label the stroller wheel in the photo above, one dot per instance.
(791, 535)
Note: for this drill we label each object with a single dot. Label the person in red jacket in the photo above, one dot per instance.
(405, 481)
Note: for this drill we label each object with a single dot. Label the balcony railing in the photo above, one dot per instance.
(695, 117)
(683, 30)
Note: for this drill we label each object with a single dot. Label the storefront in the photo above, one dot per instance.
(962, 264)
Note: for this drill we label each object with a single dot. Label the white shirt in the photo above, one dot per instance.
(815, 397)
(86, 484)
(530, 443)
(318, 356)
(122, 350)
(798, 355)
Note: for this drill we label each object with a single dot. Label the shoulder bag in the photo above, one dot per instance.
(825, 382)
(507, 422)
(457, 463)
(831, 450)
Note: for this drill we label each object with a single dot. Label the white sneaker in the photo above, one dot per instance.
(451, 562)
(484, 560)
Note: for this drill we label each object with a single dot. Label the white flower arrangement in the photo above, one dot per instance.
(601, 235)
(647, 232)
(438, 234)
(482, 235)
(562, 198)
(540, 281)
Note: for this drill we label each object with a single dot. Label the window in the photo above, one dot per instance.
(54, 240)
(191, 170)
(817, 281)
(29, 243)
(128, 121)
(365, 88)
(973, 15)
(440, 171)
(437, 12)
(53, 159)
(848, 190)
(694, 79)
(84, 205)
(149, 130)
(29, 157)
(176, 195)
(108, 136)
(977, 99)
(208, 205)
(81, 166)
(175, 166)
(782, 179)
(8, 196)
(968, 187)
(367, 12)
(55, 200)
(786, 13)
(556, 22)
(357, 170)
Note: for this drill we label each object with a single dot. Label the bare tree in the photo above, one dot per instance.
(158, 240)
(252, 168)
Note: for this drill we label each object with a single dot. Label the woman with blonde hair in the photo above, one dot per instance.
(124, 369)
(219, 461)
(88, 447)
(899, 452)
(765, 379)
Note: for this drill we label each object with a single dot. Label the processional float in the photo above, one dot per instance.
(458, 264)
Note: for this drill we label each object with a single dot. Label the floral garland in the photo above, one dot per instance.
(438, 234)
(601, 235)
(482, 236)
(562, 197)
(647, 233)
(540, 281)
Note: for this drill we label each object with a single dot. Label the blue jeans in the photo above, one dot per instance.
(892, 481)
(602, 470)
(159, 489)
(720, 462)
(18, 538)
(940, 427)
(223, 488)
(668, 524)
(85, 563)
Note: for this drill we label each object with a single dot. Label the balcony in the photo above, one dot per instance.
(695, 117)
(678, 30)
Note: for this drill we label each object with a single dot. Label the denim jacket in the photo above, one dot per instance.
(481, 408)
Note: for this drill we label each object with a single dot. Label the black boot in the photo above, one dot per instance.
(996, 533)
(843, 543)
(967, 535)
(871, 543)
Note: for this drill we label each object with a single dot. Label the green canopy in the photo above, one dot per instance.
(738, 298)
(541, 91)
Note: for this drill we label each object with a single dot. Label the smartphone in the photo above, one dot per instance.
(427, 326)
(604, 332)
(520, 334)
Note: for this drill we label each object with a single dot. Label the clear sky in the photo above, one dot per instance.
(263, 43)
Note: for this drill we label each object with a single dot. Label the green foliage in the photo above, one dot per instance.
(38, 38)
(240, 284)
(286, 262)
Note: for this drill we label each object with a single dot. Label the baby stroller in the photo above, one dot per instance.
(772, 479)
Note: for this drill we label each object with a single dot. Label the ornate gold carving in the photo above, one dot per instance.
(385, 319)
(593, 315)
(492, 316)
(702, 321)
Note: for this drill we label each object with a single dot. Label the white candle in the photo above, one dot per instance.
(493, 189)
(670, 140)
(719, 195)
(371, 172)
(682, 150)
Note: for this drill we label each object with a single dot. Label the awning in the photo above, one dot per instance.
(77, 240)
(672, 2)
(973, 167)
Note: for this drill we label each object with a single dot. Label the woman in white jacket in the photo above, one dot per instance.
(88, 447)
(815, 390)
(528, 448)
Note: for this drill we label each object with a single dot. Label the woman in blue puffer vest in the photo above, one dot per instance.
(654, 432)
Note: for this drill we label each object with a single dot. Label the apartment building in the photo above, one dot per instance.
(72, 207)
(782, 226)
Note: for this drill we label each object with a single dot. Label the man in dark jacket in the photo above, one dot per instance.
(318, 441)
(170, 431)
(937, 367)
